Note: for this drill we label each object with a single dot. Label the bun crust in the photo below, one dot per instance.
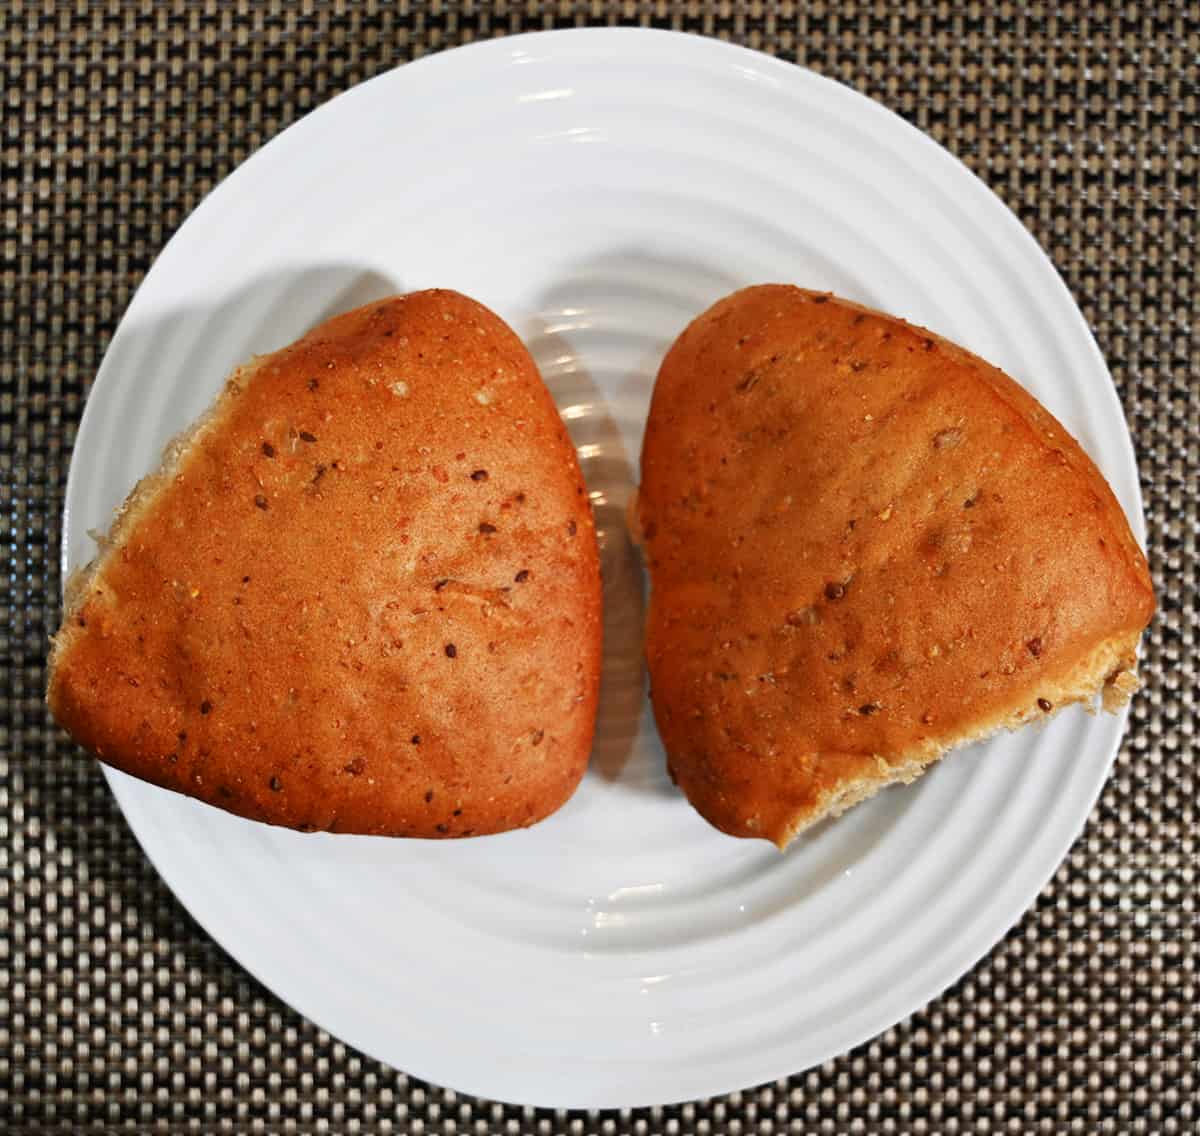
(866, 545)
(362, 595)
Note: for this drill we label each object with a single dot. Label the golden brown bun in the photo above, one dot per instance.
(362, 596)
(866, 546)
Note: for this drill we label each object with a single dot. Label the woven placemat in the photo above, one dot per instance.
(117, 1013)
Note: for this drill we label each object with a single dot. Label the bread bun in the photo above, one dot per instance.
(362, 595)
(866, 546)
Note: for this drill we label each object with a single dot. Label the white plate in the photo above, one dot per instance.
(598, 189)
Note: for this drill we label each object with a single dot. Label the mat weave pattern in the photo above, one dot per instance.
(117, 1013)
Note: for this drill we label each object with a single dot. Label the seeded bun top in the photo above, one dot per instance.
(866, 546)
(362, 596)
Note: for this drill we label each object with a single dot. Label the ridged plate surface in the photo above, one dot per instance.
(599, 189)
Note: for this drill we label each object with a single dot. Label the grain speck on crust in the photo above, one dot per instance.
(807, 616)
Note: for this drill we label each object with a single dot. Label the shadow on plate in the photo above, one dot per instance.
(609, 477)
(598, 337)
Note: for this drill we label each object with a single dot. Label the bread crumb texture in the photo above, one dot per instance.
(866, 546)
(357, 597)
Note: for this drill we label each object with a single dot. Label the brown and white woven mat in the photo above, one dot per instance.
(117, 1013)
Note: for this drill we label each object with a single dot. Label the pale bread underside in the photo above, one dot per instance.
(139, 500)
(1109, 674)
